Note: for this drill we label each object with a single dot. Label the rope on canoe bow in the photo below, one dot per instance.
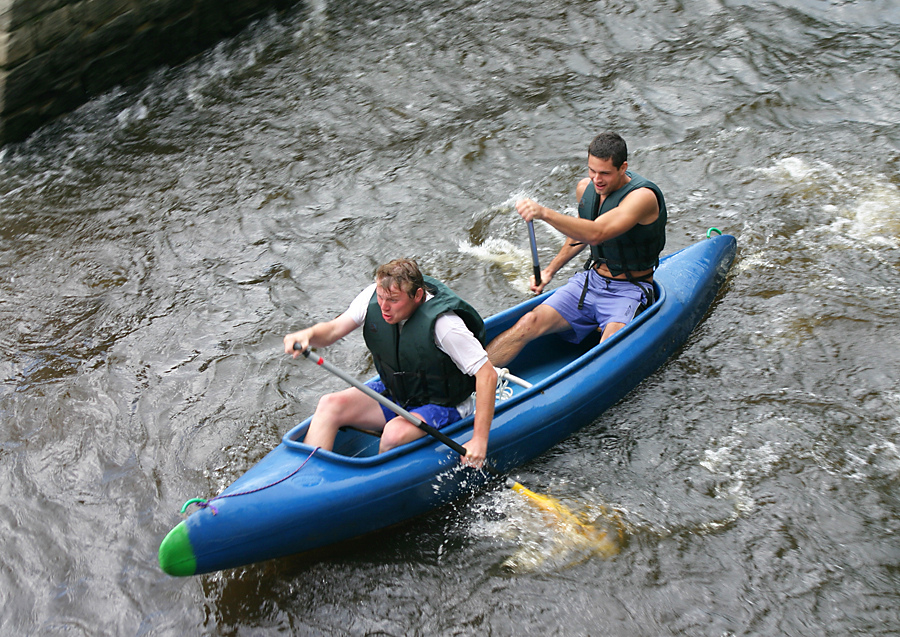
(504, 391)
(711, 230)
(202, 504)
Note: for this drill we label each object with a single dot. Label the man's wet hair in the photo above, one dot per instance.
(404, 273)
(610, 146)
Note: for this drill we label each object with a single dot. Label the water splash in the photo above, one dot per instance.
(514, 262)
(864, 207)
(548, 534)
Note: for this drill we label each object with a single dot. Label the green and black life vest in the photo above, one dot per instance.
(637, 249)
(412, 368)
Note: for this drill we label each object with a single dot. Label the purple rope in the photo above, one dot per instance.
(202, 504)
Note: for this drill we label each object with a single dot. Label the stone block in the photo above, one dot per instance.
(124, 61)
(6, 15)
(111, 35)
(10, 51)
(39, 78)
(17, 46)
(17, 126)
(241, 12)
(95, 13)
(144, 51)
(51, 28)
(107, 70)
(26, 82)
(164, 10)
(178, 40)
(213, 23)
(23, 11)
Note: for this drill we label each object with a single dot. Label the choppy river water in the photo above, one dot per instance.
(156, 244)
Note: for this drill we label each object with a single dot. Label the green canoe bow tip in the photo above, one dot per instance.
(176, 557)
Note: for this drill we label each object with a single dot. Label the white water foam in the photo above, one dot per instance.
(864, 207)
(737, 464)
(880, 458)
(514, 262)
(513, 259)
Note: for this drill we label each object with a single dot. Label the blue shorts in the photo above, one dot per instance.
(607, 301)
(434, 415)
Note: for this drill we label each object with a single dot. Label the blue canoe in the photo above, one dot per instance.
(297, 499)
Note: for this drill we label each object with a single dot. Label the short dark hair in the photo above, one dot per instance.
(404, 273)
(610, 146)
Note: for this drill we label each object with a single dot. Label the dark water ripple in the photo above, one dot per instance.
(156, 244)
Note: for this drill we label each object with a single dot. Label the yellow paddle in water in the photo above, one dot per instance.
(599, 541)
(566, 521)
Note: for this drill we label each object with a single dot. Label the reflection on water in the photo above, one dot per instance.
(158, 243)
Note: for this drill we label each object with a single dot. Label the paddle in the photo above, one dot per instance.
(565, 520)
(534, 254)
(397, 409)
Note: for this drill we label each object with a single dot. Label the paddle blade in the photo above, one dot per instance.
(600, 541)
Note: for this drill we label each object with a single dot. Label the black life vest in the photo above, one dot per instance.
(412, 368)
(637, 249)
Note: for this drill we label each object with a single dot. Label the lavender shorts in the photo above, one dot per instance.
(607, 301)
(434, 415)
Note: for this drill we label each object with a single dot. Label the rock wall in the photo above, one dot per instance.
(57, 54)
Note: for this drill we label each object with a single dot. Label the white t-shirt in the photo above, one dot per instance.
(450, 335)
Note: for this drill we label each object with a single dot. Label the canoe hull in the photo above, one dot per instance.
(295, 499)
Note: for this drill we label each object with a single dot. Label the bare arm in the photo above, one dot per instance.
(485, 396)
(319, 335)
(565, 254)
(639, 206)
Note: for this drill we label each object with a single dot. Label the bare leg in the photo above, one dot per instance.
(398, 432)
(610, 329)
(541, 320)
(347, 407)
